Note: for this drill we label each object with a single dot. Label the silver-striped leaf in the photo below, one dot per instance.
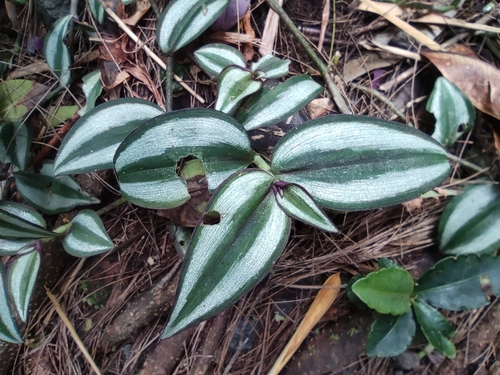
(55, 51)
(235, 84)
(215, 57)
(270, 66)
(8, 327)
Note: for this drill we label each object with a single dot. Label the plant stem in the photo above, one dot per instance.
(261, 163)
(168, 84)
(111, 206)
(466, 163)
(330, 84)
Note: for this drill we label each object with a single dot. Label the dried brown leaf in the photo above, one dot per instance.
(141, 8)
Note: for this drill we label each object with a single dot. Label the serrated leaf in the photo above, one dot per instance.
(8, 327)
(298, 204)
(20, 245)
(235, 84)
(435, 327)
(452, 109)
(91, 143)
(470, 223)
(21, 281)
(15, 141)
(146, 167)
(356, 163)
(55, 51)
(270, 66)
(462, 283)
(87, 236)
(214, 58)
(225, 260)
(183, 20)
(390, 335)
(92, 88)
(97, 10)
(50, 194)
(277, 104)
(387, 291)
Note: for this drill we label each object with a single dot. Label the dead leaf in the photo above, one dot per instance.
(413, 205)
(270, 32)
(141, 8)
(246, 22)
(479, 81)
(366, 63)
(319, 107)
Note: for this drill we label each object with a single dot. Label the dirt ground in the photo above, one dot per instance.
(119, 302)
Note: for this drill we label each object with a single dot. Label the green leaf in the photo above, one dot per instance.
(214, 58)
(298, 204)
(387, 291)
(435, 327)
(58, 114)
(225, 260)
(91, 143)
(452, 109)
(270, 66)
(146, 167)
(55, 51)
(15, 141)
(470, 223)
(387, 263)
(390, 335)
(87, 236)
(13, 227)
(235, 84)
(21, 281)
(353, 298)
(50, 194)
(357, 163)
(184, 20)
(97, 10)
(12, 93)
(92, 88)
(462, 283)
(8, 327)
(277, 104)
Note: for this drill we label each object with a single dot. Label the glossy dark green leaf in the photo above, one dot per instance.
(97, 10)
(390, 335)
(91, 143)
(214, 58)
(15, 141)
(55, 51)
(235, 84)
(277, 104)
(21, 281)
(8, 327)
(356, 163)
(454, 112)
(387, 291)
(435, 327)
(87, 236)
(146, 161)
(462, 283)
(183, 20)
(225, 260)
(270, 66)
(298, 204)
(92, 88)
(50, 194)
(470, 223)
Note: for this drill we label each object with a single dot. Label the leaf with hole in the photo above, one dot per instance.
(92, 88)
(50, 194)
(277, 104)
(21, 278)
(87, 236)
(465, 282)
(470, 223)
(387, 291)
(55, 51)
(8, 327)
(454, 112)
(435, 327)
(357, 163)
(184, 20)
(91, 143)
(390, 335)
(215, 57)
(146, 168)
(226, 259)
(235, 84)
(298, 204)
(270, 66)
(15, 141)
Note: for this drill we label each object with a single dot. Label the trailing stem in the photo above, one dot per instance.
(168, 83)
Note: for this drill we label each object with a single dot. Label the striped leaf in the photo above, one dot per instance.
(21, 276)
(92, 142)
(235, 84)
(270, 66)
(214, 58)
(146, 161)
(226, 259)
(8, 327)
(55, 51)
(357, 163)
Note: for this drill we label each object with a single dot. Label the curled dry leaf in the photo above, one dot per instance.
(478, 80)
